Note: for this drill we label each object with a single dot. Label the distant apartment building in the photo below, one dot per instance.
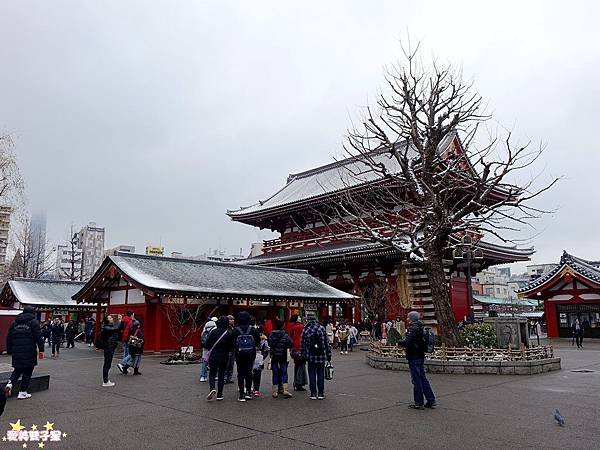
(91, 242)
(5, 213)
(68, 262)
(221, 256)
(493, 283)
(119, 249)
(537, 270)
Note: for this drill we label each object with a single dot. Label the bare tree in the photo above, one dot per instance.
(35, 252)
(74, 259)
(11, 182)
(185, 320)
(422, 174)
(373, 298)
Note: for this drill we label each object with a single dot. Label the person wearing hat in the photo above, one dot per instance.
(25, 343)
(210, 325)
(414, 346)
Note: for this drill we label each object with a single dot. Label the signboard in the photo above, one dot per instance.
(155, 250)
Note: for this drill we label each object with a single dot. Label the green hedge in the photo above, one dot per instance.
(479, 335)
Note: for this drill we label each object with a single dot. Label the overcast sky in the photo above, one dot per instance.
(152, 118)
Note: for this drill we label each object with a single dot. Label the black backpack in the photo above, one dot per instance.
(245, 344)
(428, 340)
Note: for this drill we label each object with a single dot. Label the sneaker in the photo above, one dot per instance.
(413, 406)
(202, 379)
(211, 394)
(108, 384)
(258, 394)
(313, 397)
(219, 398)
(8, 389)
(241, 399)
(321, 397)
(228, 381)
(248, 395)
(23, 395)
(122, 369)
(431, 404)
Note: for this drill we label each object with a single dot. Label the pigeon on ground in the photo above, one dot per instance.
(559, 418)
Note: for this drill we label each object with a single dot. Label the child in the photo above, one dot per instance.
(259, 364)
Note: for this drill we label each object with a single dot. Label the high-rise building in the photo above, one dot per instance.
(119, 249)
(68, 262)
(37, 229)
(91, 242)
(5, 213)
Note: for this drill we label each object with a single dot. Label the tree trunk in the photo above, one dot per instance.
(434, 268)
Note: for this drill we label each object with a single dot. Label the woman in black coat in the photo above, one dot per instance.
(23, 342)
(109, 340)
(70, 333)
(220, 344)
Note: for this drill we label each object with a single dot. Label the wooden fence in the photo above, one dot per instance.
(472, 354)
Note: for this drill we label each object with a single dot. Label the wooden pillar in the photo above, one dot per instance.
(287, 311)
(324, 312)
(98, 325)
(230, 307)
(157, 326)
(334, 313)
(357, 302)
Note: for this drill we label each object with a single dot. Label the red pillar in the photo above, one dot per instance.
(324, 313)
(157, 327)
(98, 324)
(551, 319)
(230, 307)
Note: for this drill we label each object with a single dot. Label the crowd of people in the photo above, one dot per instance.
(57, 332)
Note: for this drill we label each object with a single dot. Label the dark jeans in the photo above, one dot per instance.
(579, 341)
(217, 373)
(256, 376)
(316, 378)
(344, 345)
(71, 342)
(421, 386)
(229, 367)
(244, 372)
(279, 369)
(89, 339)
(26, 372)
(108, 357)
(55, 346)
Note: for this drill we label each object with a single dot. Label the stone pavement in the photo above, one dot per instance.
(165, 408)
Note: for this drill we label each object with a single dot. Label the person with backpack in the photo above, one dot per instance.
(124, 327)
(246, 339)
(25, 343)
(136, 349)
(108, 341)
(316, 352)
(218, 346)
(208, 327)
(57, 330)
(416, 343)
(279, 343)
(90, 326)
(353, 339)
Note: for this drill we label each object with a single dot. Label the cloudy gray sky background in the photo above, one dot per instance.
(152, 118)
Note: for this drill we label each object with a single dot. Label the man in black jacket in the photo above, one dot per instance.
(414, 346)
(23, 342)
(246, 339)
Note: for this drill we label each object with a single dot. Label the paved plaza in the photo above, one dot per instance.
(165, 408)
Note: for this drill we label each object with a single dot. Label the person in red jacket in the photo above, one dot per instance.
(124, 328)
(295, 333)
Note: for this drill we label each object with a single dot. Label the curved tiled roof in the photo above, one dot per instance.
(586, 269)
(43, 292)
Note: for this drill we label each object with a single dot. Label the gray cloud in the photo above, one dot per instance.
(153, 118)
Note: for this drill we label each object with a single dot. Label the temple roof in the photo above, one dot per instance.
(327, 180)
(490, 300)
(41, 292)
(586, 269)
(354, 248)
(162, 275)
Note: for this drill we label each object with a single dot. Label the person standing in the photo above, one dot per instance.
(343, 334)
(219, 345)
(57, 331)
(246, 340)
(70, 333)
(329, 331)
(136, 349)
(259, 365)
(353, 339)
(296, 353)
(577, 329)
(109, 341)
(414, 346)
(90, 325)
(231, 358)
(208, 328)
(24, 342)
(279, 343)
(316, 351)
(124, 327)
(46, 332)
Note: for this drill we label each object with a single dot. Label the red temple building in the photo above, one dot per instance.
(570, 291)
(342, 260)
(157, 289)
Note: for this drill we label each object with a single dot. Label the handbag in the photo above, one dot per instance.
(135, 341)
(206, 355)
(328, 370)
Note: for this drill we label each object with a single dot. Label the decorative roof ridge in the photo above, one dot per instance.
(203, 262)
(43, 280)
